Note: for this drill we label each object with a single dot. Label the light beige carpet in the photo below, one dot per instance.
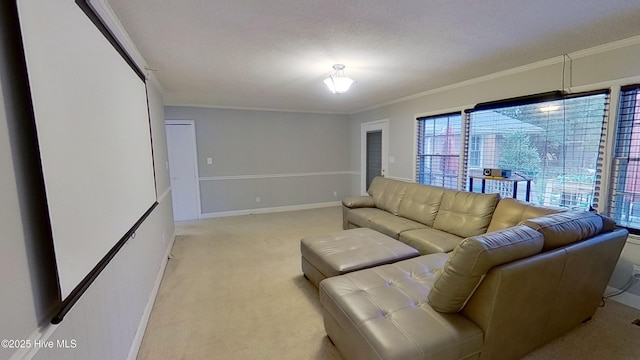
(234, 290)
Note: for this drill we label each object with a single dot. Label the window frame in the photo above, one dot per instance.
(479, 142)
(604, 181)
(549, 97)
(615, 155)
(420, 143)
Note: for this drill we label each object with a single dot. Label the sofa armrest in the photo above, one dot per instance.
(354, 202)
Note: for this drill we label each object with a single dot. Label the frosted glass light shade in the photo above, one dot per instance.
(338, 84)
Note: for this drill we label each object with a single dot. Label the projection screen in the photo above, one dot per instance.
(93, 132)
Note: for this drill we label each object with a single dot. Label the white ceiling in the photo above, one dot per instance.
(274, 54)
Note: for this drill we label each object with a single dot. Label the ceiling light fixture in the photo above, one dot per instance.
(338, 83)
(549, 108)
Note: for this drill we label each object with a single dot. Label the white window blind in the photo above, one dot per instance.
(624, 201)
(553, 140)
(438, 150)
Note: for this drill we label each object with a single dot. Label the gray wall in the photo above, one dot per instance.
(105, 322)
(287, 159)
(611, 65)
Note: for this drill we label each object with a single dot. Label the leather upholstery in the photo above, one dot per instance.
(383, 313)
(382, 221)
(515, 297)
(473, 258)
(524, 304)
(387, 194)
(354, 202)
(565, 228)
(510, 212)
(513, 304)
(465, 213)
(588, 268)
(331, 255)
(397, 207)
(429, 240)
(421, 203)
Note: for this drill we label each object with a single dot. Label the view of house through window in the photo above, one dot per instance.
(554, 145)
(625, 183)
(438, 150)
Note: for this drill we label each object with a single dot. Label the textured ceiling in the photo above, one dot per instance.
(274, 54)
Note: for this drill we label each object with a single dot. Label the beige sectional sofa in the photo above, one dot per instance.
(433, 219)
(500, 277)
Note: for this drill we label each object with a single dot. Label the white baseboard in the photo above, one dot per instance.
(40, 335)
(44, 332)
(269, 210)
(142, 326)
(624, 298)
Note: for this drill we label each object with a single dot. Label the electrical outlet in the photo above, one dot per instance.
(258, 199)
(636, 271)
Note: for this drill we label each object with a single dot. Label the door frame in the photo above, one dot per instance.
(192, 125)
(371, 126)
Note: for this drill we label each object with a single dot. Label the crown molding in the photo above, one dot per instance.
(493, 76)
(111, 21)
(635, 40)
(207, 106)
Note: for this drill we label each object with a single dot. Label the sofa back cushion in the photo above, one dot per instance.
(465, 213)
(387, 193)
(473, 258)
(567, 227)
(377, 185)
(510, 212)
(421, 203)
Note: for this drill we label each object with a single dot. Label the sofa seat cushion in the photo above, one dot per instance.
(383, 313)
(382, 221)
(469, 262)
(429, 240)
(361, 217)
(464, 213)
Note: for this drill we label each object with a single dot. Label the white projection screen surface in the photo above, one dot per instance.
(93, 131)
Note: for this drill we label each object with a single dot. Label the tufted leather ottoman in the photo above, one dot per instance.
(349, 250)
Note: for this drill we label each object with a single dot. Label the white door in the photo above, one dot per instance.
(183, 169)
(374, 158)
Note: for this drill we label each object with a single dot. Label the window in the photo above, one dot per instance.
(438, 150)
(625, 181)
(475, 152)
(552, 140)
